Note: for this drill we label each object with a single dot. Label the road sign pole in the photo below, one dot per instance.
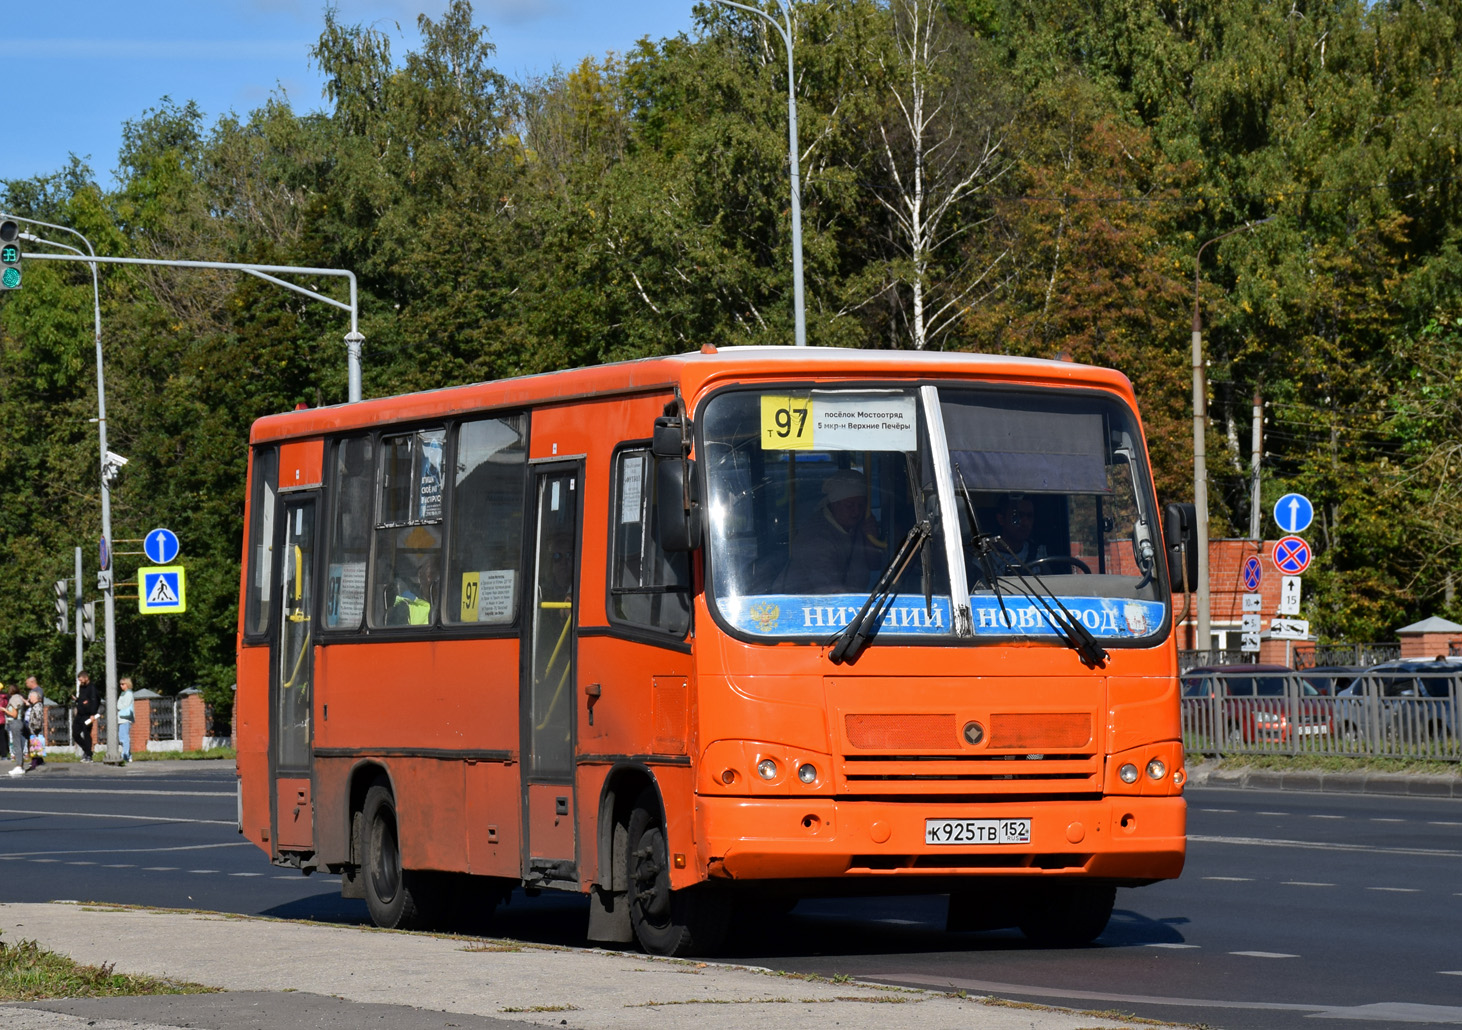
(80, 644)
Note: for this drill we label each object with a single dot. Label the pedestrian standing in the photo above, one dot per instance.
(86, 709)
(15, 728)
(125, 714)
(35, 721)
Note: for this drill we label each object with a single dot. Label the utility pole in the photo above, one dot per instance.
(1256, 513)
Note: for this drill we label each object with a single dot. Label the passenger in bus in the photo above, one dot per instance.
(835, 551)
(1016, 517)
(416, 593)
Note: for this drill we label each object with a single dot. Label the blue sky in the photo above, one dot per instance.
(80, 68)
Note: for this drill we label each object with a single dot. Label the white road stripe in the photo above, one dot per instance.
(1397, 890)
(1231, 879)
(1265, 842)
(114, 815)
(1175, 946)
(1305, 883)
(1263, 954)
(90, 792)
(1285, 814)
(1327, 817)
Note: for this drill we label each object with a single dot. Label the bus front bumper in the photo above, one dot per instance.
(1131, 839)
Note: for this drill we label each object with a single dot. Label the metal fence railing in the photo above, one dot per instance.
(1308, 656)
(1389, 714)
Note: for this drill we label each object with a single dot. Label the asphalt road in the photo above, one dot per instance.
(1293, 905)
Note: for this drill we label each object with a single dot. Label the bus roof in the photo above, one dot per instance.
(691, 373)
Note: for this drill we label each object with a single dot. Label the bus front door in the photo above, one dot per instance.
(292, 679)
(549, 679)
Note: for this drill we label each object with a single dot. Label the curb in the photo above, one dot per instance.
(1315, 781)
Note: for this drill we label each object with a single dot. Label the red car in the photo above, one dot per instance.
(1253, 704)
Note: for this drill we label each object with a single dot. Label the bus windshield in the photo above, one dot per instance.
(1028, 493)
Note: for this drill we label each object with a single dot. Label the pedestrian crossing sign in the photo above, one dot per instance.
(161, 590)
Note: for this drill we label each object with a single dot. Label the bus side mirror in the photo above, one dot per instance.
(1180, 534)
(672, 437)
(677, 504)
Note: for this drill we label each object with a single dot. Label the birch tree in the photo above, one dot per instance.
(941, 145)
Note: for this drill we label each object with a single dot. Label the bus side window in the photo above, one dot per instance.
(406, 585)
(261, 541)
(648, 587)
(350, 538)
(484, 551)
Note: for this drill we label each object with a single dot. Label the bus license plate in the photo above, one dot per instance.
(977, 831)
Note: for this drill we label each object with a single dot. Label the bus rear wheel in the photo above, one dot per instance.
(668, 922)
(393, 897)
(1066, 915)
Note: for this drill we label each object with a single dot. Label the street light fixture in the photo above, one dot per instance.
(1204, 633)
(784, 28)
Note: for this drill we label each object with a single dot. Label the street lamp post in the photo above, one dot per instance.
(109, 600)
(1204, 634)
(784, 28)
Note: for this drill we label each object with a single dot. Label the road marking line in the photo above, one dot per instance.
(1378, 819)
(112, 815)
(204, 870)
(132, 851)
(1165, 945)
(1231, 879)
(152, 793)
(1305, 883)
(1284, 814)
(1265, 842)
(1443, 822)
(1397, 890)
(250, 874)
(1328, 817)
(1263, 954)
(160, 869)
(1220, 811)
(81, 863)
(1450, 972)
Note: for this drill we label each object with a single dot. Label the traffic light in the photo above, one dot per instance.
(88, 621)
(59, 590)
(9, 255)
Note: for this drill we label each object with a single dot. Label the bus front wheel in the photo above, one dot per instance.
(392, 896)
(666, 921)
(1062, 915)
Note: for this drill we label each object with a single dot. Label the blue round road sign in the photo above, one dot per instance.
(1293, 513)
(161, 546)
(1291, 555)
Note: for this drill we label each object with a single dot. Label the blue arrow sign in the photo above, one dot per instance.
(1294, 513)
(161, 546)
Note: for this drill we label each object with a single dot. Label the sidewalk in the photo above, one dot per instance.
(1211, 773)
(287, 974)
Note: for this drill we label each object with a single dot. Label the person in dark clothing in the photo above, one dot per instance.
(87, 703)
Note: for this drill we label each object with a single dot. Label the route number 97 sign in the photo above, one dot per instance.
(839, 422)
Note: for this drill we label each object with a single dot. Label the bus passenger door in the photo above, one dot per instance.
(549, 678)
(291, 684)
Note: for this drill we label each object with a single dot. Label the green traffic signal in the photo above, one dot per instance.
(9, 255)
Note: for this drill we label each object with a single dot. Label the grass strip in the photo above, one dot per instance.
(28, 972)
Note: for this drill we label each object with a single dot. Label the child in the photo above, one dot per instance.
(35, 718)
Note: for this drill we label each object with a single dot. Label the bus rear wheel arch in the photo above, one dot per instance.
(395, 896)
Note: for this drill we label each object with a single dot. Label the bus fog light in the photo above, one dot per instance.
(1179, 777)
(1157, 769)
(728, 776)
(807, 772)
(1128, 773)
(766, 769)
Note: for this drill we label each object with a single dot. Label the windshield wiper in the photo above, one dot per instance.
(1061, 618)
(851, 640)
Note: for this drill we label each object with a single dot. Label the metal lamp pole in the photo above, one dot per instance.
(1204, 631)
(784, 28)
(109, 601)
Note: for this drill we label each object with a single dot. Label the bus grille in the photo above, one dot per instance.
(941, 774)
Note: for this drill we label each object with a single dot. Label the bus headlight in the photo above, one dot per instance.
(1156, 769)
(807, 772)
(1128, 772)
(766, 769)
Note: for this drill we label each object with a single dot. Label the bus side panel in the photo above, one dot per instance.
(1144, 710)
(424, 710)
(301, 463)
(251, 704)
(677, 791)
(632, 716)
(494, 839)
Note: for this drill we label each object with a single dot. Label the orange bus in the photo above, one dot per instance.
(713, 632)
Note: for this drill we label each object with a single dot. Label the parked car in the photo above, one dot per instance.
(1253, 704)
(1402, 703)
(1329, 680)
